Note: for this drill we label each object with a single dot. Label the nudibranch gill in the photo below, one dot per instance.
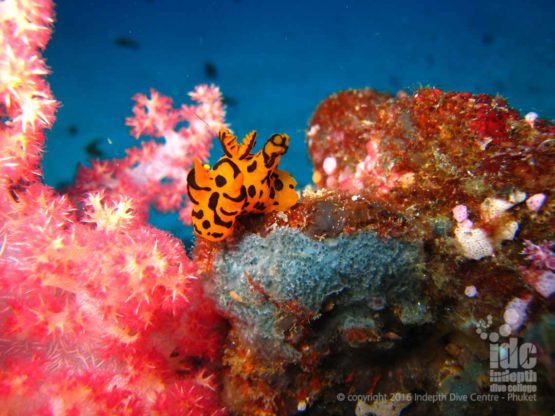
(239, 183)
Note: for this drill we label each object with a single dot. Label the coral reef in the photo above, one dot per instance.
(430, 146)
(418, 279)
(436, 214)
(298, 290)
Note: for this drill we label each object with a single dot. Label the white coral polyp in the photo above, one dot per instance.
(493, 207)
(474, 243)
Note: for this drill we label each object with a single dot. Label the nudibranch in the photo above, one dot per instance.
(239, 183)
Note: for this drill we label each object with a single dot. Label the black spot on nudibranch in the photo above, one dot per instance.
(251, 167)
(220, 181)
(219, 221)
(252, 191)
(268, 159)
(236, 170)
(198, 214)
(192, 182)
(278, 184)
(241, 196)
(213, 201)
(206, 224)
(229, 213)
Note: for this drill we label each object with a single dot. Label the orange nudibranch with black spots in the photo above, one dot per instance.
(239, 183)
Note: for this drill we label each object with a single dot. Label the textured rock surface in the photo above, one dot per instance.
(286, 276)
(432, 235)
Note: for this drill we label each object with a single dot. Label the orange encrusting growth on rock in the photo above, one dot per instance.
(239, 183)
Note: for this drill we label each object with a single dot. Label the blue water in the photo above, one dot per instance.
(277, 60)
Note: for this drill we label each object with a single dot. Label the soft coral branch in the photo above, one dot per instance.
(26, 102)
(156, 173)
(105, 303)
(100, 313)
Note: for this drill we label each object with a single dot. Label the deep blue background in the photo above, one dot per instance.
(278, 60)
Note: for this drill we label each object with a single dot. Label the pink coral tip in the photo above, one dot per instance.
(460, 213)
(535, 202)
(329, 165)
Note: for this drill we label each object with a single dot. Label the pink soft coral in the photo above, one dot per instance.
(100, 313)
(157, 172)
(26, 103)
(104, 307)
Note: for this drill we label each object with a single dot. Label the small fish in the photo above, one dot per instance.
(93, 149)
(229, 101)
(487, 38)
(72, 130)
(210, 70)
(126, 42)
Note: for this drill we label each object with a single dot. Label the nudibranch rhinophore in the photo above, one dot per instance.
(239, 183)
